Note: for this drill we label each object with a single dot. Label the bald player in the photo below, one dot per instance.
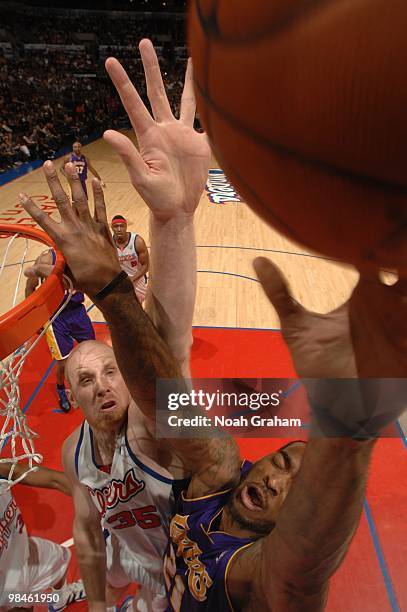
(269, 535)
(123, 480)
(82, 164)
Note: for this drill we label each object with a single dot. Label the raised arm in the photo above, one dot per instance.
(169, 171)
(87, 533)
(315, 527)
(141, 353)
(322, 510)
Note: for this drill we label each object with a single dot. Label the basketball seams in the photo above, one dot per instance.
(206, 55)
(381, 240)
(309, 160)
(207, 69)
(399, 233)
(210, 25)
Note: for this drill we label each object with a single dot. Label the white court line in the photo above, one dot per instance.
(68, 543)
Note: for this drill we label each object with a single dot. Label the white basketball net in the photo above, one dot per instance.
(16, 437)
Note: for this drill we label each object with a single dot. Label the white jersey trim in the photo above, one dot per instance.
(135, 459)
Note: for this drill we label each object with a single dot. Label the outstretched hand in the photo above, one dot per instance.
(171, 166)
(84, 241)
(366, 337)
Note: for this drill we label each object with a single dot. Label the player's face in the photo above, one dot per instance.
(257, 500)
(76, 148)
(120, 230)
(97, 385)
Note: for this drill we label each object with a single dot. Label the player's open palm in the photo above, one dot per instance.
(366, 337)
(171, 166)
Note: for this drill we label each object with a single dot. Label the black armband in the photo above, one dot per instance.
(111, 285)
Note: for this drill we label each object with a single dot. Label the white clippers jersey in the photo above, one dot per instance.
(135, 503)
(14, 547)
(129, 262)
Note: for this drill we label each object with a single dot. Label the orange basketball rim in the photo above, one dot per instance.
(21, 322)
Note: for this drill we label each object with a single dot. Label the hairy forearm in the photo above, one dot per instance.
(43, 477)
(91, 555)
(143, 357)
(47, 479)
(321, 513)
(172, 287)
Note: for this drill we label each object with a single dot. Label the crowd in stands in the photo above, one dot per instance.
(38, 27)
(51, 96)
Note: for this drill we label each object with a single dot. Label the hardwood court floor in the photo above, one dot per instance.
(228, 236)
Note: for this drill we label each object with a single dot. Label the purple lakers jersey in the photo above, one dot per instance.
(198, 554)
(77, 297)
(81, 166)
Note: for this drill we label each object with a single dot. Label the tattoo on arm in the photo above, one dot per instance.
(143, 357)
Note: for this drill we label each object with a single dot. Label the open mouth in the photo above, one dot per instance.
(108, 405)
(252, 497)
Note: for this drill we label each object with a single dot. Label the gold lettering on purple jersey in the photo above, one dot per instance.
(198, 578)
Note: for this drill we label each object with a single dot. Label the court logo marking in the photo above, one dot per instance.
(16, 213)
(219, 189)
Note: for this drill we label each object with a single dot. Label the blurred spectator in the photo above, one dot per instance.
(52, 96)
(24, 150)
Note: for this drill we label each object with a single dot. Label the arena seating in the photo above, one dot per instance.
(53, 85)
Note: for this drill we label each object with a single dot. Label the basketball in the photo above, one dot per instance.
(305, 105)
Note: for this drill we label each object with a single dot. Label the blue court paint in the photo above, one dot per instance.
(14, 173)
(38, 387)
(402, 434)
(382, 562)
(33, 396)
(273, 329)
(293, 387)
